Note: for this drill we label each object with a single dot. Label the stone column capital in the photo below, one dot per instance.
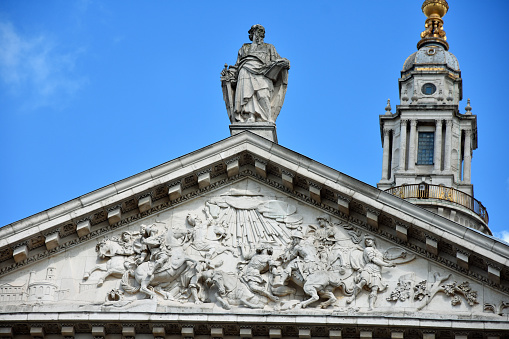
(404, 121)
(449, 123)
(439, 122)
(413, 123)
(387, 131)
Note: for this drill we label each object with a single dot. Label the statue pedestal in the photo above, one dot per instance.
(266, 130)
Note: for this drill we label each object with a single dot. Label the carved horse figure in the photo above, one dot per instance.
(178, 264)
(229, 288)
(320, 283)
(116, 261)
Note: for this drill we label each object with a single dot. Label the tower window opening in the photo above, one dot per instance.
(425, 145)
(428, 89)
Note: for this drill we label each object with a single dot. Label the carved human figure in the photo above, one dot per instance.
(219, 229)
(198, 235)
(199, 279)
(126, 242)
(370, 276)
(260, 261)
(139, 246)
(261, 80)
(324, 234)
(300, 257)
(157, 248)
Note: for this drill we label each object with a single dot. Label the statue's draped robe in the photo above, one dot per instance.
(260, 68)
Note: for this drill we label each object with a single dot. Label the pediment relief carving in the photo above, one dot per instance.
(244, 246)
(382, 224)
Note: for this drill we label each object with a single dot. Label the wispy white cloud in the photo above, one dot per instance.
(35, 68)
(504, 235)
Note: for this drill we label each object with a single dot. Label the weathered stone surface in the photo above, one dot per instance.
(145, 203)
(247, 232)
(175, 191)
(115, 215)
(83, 228)
(19, 254)
(266, 130)
(52, 240)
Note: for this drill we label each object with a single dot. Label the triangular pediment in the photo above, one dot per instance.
(232, 213)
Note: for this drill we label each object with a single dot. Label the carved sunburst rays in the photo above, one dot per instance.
(248, 221)
(249, 227)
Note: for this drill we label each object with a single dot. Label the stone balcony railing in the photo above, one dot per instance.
(424, 191)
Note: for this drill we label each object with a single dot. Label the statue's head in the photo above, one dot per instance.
(191, 219)
(297, 236)
(143, 230)
(264, 247)
(126, 236)
(369, 241)
(323, 220)
(256, 28)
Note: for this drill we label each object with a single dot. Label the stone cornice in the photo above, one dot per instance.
(259, 324)
(246, 147)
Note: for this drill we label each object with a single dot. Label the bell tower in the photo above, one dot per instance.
(428, 143)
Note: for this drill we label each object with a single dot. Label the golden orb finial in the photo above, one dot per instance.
(434, 32)
(435, 8)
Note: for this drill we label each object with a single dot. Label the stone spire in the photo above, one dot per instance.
(434, 32)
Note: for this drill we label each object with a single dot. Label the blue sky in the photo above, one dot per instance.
(92, 92)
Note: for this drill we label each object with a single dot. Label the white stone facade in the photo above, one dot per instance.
(420, 269)
(247, 239)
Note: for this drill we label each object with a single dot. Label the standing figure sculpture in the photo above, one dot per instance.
(370, 276)
(254, 88)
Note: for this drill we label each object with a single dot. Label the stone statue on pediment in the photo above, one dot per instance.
(254, 88)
